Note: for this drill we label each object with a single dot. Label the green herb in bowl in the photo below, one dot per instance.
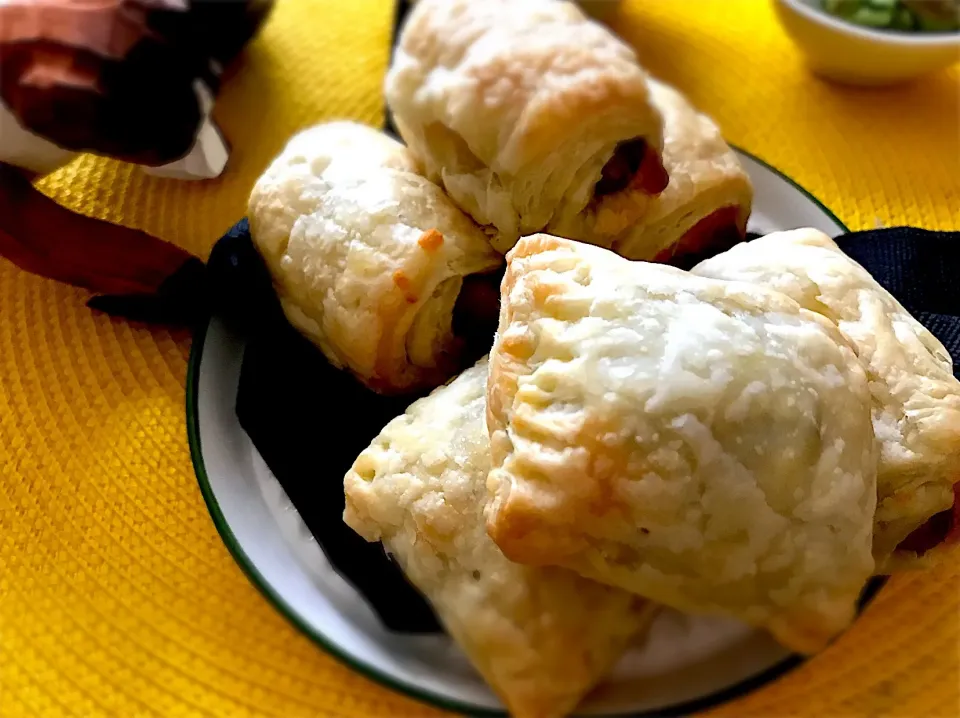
(903, 15)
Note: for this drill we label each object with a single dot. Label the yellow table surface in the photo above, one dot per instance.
(117, 596)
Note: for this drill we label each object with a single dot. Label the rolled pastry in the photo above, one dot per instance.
(541, 637)
(916, 399)
(707, 203)
(372, 262)
(704, 444)
(530, 114)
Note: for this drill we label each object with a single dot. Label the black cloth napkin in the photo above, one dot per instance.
(310, 437)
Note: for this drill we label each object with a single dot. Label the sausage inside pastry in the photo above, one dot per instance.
(542, 637)
(705, 444)
(916, 399)
(372, 262)
(707, 203)
(530, 114)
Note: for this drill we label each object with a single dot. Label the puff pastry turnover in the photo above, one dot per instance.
(916, 399)
(542, 637)
(372, 261)
(708, 201)
(705, 444)
(530, 114)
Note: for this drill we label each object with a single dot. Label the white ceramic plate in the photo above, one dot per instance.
(685, 664)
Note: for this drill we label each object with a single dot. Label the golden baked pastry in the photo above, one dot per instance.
(705, 444)
(541, 637)
(531, 115)
(708, 201)
(371, 261)
(916, 398)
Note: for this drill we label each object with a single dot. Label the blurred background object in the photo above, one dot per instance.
(130, 79)
(134, 80)
(903, 15)
(873, 42)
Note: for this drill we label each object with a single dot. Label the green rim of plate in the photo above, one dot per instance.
(261, 583)
(741, 688)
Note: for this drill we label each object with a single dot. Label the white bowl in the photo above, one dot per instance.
(858, 55)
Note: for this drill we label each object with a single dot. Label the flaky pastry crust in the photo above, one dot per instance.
(368, 257)
(516, 107)
(705, 176)
(916, 398)
(705, 444)
(542, 637)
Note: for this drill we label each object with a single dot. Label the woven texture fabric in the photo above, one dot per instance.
(117, 597)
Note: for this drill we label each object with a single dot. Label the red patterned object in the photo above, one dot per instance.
(133, 79)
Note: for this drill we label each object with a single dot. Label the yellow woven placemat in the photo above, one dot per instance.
(116, 595)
